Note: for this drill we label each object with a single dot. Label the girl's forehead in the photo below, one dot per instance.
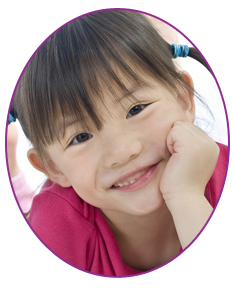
(117, 97)
(126, 86)
(105, 105)
(99, 104)
(110, 96)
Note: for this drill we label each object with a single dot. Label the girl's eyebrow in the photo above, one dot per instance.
(133, 90)
(71, 123)
(127, 94)
(63, 127)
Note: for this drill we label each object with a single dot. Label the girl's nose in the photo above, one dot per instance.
(120, 150)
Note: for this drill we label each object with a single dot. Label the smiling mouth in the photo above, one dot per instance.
(136, 180)
(131, 179)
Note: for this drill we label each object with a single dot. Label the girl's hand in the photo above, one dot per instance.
(193, 158)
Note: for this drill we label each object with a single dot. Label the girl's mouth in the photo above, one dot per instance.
(136, 181)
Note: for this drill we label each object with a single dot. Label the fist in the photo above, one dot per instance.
(193, 158)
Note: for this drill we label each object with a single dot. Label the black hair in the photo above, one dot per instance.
(67, 74)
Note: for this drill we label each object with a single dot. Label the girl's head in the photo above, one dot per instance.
(81, 79)
(69, 73)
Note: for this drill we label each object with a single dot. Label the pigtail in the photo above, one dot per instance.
(13, 113)
(193, 53)
(12, 116)
(184, 51)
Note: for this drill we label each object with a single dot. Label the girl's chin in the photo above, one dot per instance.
(143, 208)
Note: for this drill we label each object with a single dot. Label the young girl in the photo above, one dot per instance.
(131, 180)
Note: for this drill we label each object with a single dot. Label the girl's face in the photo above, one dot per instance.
(119, 167)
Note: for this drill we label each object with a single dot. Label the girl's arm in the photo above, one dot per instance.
(23, 191)
(190, 215)
(191, 165)
(12, 139)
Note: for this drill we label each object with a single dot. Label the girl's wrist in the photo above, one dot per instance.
(190, 213)
(177, 201)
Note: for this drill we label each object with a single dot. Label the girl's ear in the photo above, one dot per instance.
(51, 171)
(186, 97)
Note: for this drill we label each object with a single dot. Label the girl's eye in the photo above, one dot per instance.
(136, 109)
(82, 137)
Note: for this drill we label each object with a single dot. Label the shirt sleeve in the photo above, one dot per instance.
(63, 229)
(216, 183)
(23, 191)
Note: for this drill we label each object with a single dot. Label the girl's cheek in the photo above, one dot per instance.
(79, 165)
(157, 125)
(155, 131)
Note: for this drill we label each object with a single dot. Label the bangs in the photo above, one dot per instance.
(80, 63)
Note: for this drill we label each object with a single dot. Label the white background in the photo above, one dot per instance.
(208, 262)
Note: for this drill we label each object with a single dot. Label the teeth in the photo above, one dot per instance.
(137, 176)
(124, 184)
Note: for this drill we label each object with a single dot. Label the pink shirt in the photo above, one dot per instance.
(79, 234)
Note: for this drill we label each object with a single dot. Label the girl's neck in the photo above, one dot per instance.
(147, 241)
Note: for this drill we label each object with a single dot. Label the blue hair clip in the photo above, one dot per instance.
(180, 50)
(11, 119)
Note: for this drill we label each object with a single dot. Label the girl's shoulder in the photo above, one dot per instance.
(223, 155)
(215, 185)
(61, 219)
(62, 202)
(75, 231)
(222, 165)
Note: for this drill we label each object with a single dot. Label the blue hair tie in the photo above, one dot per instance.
(180, 50)
(11, 119)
